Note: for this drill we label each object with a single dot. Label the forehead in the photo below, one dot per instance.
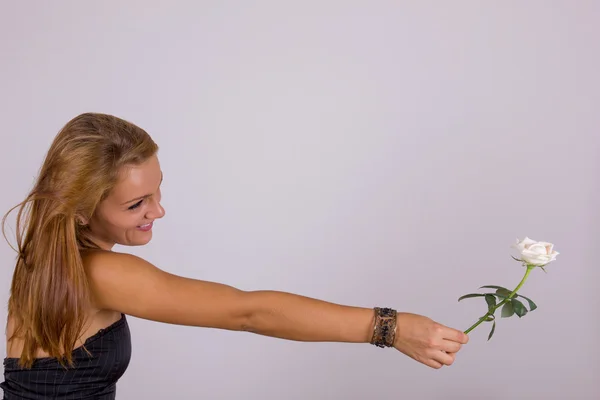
(137, 180)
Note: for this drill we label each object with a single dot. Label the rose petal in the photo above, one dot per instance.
(525, 243)
(549, 246)
(537, 249)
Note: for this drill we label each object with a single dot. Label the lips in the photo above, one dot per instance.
(146, 227)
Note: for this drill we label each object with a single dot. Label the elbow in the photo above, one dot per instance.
(245, 313)
(253, 313)
(246, 326)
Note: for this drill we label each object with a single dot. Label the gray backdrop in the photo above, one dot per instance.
(366, 153)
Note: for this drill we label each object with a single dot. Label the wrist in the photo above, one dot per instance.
(384, 327)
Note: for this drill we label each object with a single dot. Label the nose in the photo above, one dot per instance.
(156, 211)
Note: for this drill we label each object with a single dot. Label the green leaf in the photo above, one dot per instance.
(490, 300)
(466, 296)
(518, 307)
(532, 305)
(492, 331)
(502, 292)
(507, 310)
(493, 287)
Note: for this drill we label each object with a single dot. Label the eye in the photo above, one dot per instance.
(136, 205)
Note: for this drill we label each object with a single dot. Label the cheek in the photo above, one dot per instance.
(118, 222)
(129, 220)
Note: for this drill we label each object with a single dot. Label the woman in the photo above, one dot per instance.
(67, 331)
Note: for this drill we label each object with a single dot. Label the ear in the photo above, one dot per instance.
(81, 221)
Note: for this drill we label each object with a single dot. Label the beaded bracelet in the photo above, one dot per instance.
(384, 329)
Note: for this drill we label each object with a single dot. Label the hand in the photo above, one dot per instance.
(427, 341)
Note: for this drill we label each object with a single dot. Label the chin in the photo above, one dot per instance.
(136, 243)
(142, 242)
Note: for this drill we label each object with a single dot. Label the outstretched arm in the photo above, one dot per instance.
(133, 286)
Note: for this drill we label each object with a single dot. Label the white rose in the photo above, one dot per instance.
(536, 253)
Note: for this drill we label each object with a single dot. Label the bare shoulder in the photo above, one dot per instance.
(105, 266)
(131, 285)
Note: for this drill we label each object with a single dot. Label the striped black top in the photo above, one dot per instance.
(92, 377)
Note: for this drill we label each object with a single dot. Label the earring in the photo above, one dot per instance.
(80, 222)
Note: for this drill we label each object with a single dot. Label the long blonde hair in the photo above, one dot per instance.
(49, 291)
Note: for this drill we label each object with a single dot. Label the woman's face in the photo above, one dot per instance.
(125, 217)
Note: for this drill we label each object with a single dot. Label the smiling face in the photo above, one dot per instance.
(125, 217)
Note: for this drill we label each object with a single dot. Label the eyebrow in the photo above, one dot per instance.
(146, 195)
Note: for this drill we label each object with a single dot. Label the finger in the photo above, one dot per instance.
(456, 335)
(453, 356)
(444, 358)
(433, 363)
(450, 346)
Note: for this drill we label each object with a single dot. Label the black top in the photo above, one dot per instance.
(92, 377)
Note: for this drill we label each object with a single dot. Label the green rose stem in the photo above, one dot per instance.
(493, 309)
